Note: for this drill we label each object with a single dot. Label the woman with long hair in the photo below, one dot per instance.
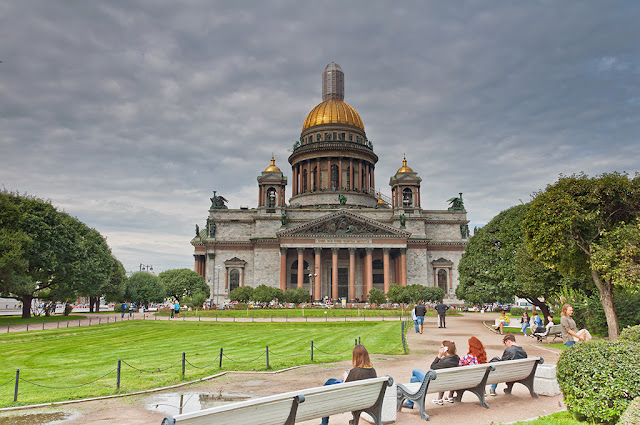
(476, 355)
(570, 332)
(361, 369)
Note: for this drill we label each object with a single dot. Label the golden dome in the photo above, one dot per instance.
(404, 168)
(333, 111)
(273, 167)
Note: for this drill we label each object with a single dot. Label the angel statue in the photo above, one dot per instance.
(456, 204)
(218, 202)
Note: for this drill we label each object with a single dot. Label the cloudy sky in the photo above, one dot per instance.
(128, 114)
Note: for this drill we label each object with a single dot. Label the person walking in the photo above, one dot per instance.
(442, 308)
(512, 352)
(415, 320)
(177, 308)
(123, 309)
(421, 310)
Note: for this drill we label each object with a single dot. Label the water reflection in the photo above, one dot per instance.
(186, 402)
(35, 419)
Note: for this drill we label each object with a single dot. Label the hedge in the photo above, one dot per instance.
(631, 416)
(599, 379)
(590, 314)
(631, 334)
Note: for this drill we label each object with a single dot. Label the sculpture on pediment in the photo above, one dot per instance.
(197, 230)
(342, 199)
(464, 231)
(344, 226)
(456, 204)
(403, 220)
(218, 202)
(211, 228)
(283, 219)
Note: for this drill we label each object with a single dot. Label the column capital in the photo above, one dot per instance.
(300, 251)
(283, 250)
(317, 250)
(403, 250)
(369, 250)
(352, 251)
(386, 251)
(335, 250)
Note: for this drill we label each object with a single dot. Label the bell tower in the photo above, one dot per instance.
(271, 188)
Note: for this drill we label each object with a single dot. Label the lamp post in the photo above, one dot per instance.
(146, 267)
(312, 279)
(217, 285)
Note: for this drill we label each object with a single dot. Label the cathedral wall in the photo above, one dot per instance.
(266, 268)
(443, 231)
(417, 266)
(234, 231)
(267, 228)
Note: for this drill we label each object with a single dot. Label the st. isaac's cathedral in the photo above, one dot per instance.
(335, 236)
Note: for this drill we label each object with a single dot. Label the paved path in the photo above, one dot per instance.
(518, 406)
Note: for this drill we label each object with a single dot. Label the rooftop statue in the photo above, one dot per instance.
(456, 204)
(342, 199)
(218, 202)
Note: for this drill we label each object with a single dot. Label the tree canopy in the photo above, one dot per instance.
(144, 288)
(47, 254)
(179, 283)
(578, 216)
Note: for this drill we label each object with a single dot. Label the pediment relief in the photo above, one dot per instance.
(344, 224)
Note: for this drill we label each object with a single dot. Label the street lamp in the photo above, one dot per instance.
(312, 279)
(217, 285)
(146, 267)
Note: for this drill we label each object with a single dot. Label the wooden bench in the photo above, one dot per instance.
(358, 397)
(555, 330)
(521, 371)
(465, 378)
(470, 378)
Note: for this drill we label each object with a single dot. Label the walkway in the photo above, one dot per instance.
(518, 406)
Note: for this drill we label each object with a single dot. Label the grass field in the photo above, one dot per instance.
(396, 314)
(18, 320)
(153, 350)
(559, 418)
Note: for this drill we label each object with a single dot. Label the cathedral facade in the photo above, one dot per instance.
(335, 236)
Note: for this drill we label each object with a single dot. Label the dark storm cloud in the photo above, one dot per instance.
(128, 114)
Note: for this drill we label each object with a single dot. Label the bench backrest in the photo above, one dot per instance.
(317, 402)
(555, 329)
(458, 378)
(512, 370)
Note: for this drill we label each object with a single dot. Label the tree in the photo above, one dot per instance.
(44, 251)
(571, 217)
(115, 287)
(486, 268)
(398, 294)
(94, 265)
(179, 283)
(196, 300)
(617, 256)
(265, 294)
(376, 296)
(144, 288)
(241, 294)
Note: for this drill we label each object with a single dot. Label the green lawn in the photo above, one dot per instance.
(18, 320)
(393, 314)
(74, 356)
(559, 418)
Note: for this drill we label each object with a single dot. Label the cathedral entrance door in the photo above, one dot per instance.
(343, 283)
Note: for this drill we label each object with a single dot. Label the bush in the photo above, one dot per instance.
(599, 379)
(631, 416)
(590, 314)
(631, 334)
(517, 311)
(118, 308)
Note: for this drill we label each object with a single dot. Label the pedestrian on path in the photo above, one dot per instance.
(421, 310)
(415, 319)
(123, 309)
(442, 308)
(177, 308)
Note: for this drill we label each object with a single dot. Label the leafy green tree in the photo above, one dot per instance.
(115, 287)
(571, 217)
(398, 294)
(144, 288)
(376, 296)
(241, 294)
(179, 283)
(486, 268)
(94, 265)
(265, 294)
(195, 300)
(617, 256)
(302, 295)
(433, 294)
(44, 253)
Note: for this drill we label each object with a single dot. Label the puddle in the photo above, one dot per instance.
(186, 402)
(35, 419)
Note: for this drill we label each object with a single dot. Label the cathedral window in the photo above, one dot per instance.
(318, 137)
(342, 136)
(234, 279)
(378, 274)
(304, 180)
(315, 178)
(442, 280)
(348, 178)
(334, 177)
(335, 135)
(351, 137)
(310, 138)
(407, 197)
(271, 197)
(327, 136)
(293, 284)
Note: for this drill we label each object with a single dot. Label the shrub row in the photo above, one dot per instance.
(599, 379)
